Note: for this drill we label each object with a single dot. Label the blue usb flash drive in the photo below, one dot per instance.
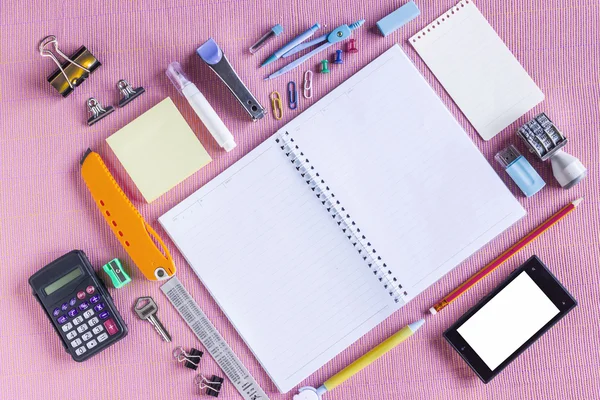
(519, 169)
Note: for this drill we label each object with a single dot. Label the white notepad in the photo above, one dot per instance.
(477, 69)
(301, 276)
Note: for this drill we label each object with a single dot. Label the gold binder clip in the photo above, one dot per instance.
(276, 105)
(73, 71)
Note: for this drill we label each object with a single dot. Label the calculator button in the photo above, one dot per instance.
(99, 307)
(82, 328)
(67, 327)
(81, 295)
(76, 343)
(87, 336)
(56, 312)
(93, 321)
(103, 315)
(102, 337)
(94, 299)
(97, 329)
(111, 327)
(88, 313)
(84, 306)
(80, 350)
(78, 320)
(73, 312)
(71, 334)
(64, 307)
(91, 344)
(90, 290)
(62, 319)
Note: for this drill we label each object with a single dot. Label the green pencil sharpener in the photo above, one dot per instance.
(117, 273)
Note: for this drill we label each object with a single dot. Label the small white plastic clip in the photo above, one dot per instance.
(307, 92)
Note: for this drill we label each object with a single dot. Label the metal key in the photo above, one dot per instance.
(146, 309)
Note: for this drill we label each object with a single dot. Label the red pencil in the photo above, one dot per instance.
(514, 249)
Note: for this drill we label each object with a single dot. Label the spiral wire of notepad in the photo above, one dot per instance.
(341, 216)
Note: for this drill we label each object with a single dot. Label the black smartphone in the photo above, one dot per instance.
(508, 320)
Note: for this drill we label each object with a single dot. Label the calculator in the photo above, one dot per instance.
(78, 305)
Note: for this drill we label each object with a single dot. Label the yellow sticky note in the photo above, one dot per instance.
(158, 149)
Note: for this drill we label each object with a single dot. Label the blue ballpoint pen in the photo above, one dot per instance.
(293, 43)
(337, 35)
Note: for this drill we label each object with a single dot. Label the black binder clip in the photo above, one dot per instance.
(73, 71)
(212, 385)
(98, 112)
(191, 359)
(127, 92)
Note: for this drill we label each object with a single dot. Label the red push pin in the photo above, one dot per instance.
(351, 48)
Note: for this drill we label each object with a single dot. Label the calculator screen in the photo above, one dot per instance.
(65, 280)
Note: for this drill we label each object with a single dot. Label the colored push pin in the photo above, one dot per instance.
(351, 47)
(325, 67)
(338, 57)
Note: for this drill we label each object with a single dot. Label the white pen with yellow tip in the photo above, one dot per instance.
(310, 393)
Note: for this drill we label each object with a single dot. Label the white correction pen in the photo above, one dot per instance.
(201, 106)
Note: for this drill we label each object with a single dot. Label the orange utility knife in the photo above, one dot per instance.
(136, 236)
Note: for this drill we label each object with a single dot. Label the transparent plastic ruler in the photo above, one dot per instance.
(212, 340)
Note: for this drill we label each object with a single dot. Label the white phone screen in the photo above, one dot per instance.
(507, 321)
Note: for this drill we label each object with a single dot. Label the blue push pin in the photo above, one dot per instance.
(338, 57)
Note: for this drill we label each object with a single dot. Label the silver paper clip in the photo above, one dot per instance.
(307, 92)
(292, 95)
(97, 111)
(213, 56)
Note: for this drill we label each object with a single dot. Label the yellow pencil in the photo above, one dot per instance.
(310, 393)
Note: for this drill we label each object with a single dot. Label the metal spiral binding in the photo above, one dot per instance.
(439, 21)
(341, 216)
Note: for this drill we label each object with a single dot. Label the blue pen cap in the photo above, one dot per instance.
(277, 30)
(521, 172)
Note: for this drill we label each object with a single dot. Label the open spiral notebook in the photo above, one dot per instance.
(340, 218)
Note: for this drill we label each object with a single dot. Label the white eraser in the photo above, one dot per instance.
(432, 311)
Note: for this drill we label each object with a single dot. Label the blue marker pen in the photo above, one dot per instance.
(297, 40)
(521, 172)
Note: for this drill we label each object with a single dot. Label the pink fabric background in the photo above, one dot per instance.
(45, 209)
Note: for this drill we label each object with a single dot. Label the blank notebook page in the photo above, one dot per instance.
(477, 69)
(278, 265)
(405, 171)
